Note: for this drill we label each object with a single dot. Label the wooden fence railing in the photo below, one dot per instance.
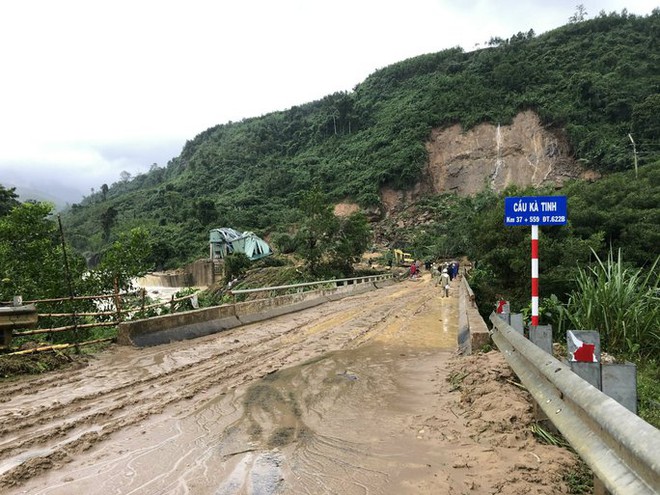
(119, 307)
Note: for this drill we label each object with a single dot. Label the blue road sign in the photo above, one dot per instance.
(535, 210)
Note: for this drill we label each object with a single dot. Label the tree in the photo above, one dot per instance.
(127, 258)
(317, 229)
(205, 211)
(579, 15)
(8, 200)
(104, 191)
(31, 262)
(108, 220)
(235, 265)
(125, 176)
(326, 241)
(351, 241)
(645, 126)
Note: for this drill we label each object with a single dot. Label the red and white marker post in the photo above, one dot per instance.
(535, 211)
(535, 275)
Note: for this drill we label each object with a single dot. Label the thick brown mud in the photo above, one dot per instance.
(351, 397)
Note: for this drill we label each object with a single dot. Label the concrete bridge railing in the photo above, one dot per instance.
(473, 333)
(205, 321)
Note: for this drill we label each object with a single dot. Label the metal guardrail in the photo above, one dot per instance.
(621, 449)
(335, 282)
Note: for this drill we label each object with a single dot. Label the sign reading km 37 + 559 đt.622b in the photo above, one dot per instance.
(535, 210)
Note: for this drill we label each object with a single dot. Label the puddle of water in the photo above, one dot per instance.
(345, 412)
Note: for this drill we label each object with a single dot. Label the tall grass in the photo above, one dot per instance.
(622, 303)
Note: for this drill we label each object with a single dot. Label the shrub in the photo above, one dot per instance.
(622, 303)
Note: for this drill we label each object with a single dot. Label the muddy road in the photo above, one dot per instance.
(365, 395)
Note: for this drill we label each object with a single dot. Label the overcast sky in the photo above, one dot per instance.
(90, 88)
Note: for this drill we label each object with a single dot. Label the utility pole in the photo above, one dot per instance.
(634, 153)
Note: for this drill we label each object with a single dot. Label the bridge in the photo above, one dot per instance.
(365, 393)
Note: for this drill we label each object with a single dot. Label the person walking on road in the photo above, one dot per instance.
(444, 282)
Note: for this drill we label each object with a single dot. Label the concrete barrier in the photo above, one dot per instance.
(343, 290)
(177, 326)
(464, 341)
(473, 333)
(198, 274)
(379, 284)
(15, 317)
(206, 321)
(263, 309)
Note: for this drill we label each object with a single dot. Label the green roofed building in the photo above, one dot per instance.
(228, 241)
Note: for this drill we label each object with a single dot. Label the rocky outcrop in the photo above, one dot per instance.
(493, 156)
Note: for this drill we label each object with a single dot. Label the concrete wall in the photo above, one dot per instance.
(473, 332)
(198, 274)
(200, 322)
(177, 326)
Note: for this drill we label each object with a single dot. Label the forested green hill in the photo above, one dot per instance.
(597, 79)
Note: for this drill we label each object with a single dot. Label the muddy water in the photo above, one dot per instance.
(327, 400)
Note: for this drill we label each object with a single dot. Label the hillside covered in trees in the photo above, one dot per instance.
(595, 79)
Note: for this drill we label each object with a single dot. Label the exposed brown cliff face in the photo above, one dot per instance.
(523, 153)
(491, 156)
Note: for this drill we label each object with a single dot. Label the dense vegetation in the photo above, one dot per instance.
(37, 263)
(618, 212)
(596, 79)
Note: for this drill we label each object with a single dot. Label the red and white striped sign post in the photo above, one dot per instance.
(535, 275)
(535, 211)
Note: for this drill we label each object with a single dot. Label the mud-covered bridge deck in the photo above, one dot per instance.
(350, 397)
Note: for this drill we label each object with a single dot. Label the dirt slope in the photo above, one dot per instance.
(524, 153)
(351, 397)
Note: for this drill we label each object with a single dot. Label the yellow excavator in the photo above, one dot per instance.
(403, 259)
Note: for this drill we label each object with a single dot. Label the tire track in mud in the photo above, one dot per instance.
(46, 421)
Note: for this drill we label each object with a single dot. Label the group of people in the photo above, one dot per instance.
(444, 273)
(452, 269)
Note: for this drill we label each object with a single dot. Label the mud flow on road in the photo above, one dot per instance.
(350, 397)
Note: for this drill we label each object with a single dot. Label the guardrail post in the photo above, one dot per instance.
(584, 355)
(516, 321)
(619, 381)
(541, 335)
(505, 317)
(584, 360)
